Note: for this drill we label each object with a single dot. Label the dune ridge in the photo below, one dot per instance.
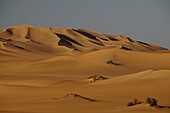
(26, 39)
(50, 70)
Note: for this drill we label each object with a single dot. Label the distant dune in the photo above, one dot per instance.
(25, 39)
(50, 70)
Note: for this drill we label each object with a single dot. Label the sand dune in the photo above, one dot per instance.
(73, 98)
(96, 63)
(46, 70)
(27, 39)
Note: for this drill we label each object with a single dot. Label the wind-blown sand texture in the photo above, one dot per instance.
(46, 70)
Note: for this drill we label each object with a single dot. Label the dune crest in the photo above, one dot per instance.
(25, 39)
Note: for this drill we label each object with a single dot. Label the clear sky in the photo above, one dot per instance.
(144, 20)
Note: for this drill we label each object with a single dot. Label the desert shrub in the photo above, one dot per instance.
(151, 101)
(97, 78)
(154, 102)
(148, 100)
(136, 101)
(130, 104)
(110, 62)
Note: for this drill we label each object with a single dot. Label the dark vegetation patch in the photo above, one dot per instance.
(135, 102)
(152, 102)
(95, 78)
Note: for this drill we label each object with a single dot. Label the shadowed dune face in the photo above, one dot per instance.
(57, 70)
(20, 39)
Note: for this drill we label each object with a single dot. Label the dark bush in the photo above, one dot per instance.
(148, 100)
(130, 104)
(154, 102)
(136, 101)
(151, 101)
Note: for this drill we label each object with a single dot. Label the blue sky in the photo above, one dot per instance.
(144, 20)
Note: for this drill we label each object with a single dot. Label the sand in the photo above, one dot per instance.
(46, 70)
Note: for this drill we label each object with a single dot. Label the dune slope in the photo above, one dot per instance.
(47, 70)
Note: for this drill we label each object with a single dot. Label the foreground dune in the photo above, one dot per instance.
(111, 95)
(46, 70)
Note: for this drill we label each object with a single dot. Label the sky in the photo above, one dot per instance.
(143, 20)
